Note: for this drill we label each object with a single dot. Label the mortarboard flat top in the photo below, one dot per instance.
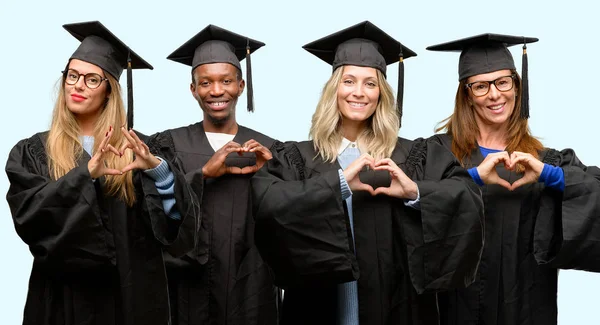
(363, 44)
(214, 44)
(101, 47)
(483, 53)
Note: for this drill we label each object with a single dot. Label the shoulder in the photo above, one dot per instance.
(263, 139)
(166, 139)
(29, 151)
(565, 157)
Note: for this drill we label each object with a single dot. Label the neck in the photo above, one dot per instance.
(351, 129)
(228, 127)
(492, 136)
(87, 124)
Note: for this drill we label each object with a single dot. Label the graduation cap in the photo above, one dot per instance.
(214, 44)
(488, 53)
(102, 48)
(365, 45)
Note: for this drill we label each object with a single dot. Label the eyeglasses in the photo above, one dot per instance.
(92, 80)
(481, 88)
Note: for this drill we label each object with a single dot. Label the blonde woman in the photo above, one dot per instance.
(347, 250)
(541, 204)
(95, 226)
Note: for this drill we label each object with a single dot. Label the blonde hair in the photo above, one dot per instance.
(64, 148)
(378, 138)
(462, 126)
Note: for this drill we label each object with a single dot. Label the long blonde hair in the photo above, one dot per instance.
(463, 129)
(378, 138)
(64, 148)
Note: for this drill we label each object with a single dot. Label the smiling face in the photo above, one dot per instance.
(357, 93)
(496, 107)
(217, 87)
(82, 101)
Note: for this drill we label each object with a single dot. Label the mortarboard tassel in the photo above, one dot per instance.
(400, 93)
(249, 89)
(525, 84)
(129, 94)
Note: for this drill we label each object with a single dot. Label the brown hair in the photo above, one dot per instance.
(462, 127)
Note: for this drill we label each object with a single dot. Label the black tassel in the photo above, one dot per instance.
(249, 89)
(400, 94)
(525, 85)
(129, 94)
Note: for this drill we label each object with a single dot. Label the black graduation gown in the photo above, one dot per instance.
(529, 233)
(96, 261)
(224, 281)
(403, 256)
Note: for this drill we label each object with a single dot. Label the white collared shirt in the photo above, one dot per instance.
(218, 140)
(347, 143)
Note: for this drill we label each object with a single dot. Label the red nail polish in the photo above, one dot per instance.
(106, 134)
(110, 128)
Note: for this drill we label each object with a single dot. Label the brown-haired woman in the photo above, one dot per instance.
(540, 204)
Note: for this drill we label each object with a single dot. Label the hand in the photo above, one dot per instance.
(533, 168)
(97, 165)
(351, 173)
(215, 166)
(402, 186)
(143, 158)
(263, 154)
(487, 169)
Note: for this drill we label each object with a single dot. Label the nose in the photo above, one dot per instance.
(80, 84)
(493, 92)
(358, 91)
(216, 89)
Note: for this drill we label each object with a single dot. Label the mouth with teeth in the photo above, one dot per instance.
(218, 105)
(496, 108)
(357, 104)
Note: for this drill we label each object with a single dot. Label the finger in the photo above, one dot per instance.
(524, 160)
(263, 152)
(520, 182)
(135, 137)
(364, 187)
(249, 169)
(382, 190)
(132, 166)
(252, 145)
(386, 161)
(111, 171)
(502, 182)
(124, 147)
(105, 140)
(386, 167)
(131, 140)
(249, 143)
(112, 149)
(233, 170)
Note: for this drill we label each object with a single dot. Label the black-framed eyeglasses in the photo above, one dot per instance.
(481, 88)
(92, 80)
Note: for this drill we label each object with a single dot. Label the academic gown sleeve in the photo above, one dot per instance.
(302, 230)
(567, 228)
(179, 236)
(444, 239)
(59, 220)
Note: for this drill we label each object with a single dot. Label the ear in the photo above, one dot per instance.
(242, 85)
(193, 89)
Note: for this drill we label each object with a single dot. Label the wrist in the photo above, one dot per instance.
(413, 192)
(154, 162)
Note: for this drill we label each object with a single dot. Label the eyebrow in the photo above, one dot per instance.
(353, 76)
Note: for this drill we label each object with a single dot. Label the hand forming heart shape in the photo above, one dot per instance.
(532, 168)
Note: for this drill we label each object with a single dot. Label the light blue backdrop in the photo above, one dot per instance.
(34, 48)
